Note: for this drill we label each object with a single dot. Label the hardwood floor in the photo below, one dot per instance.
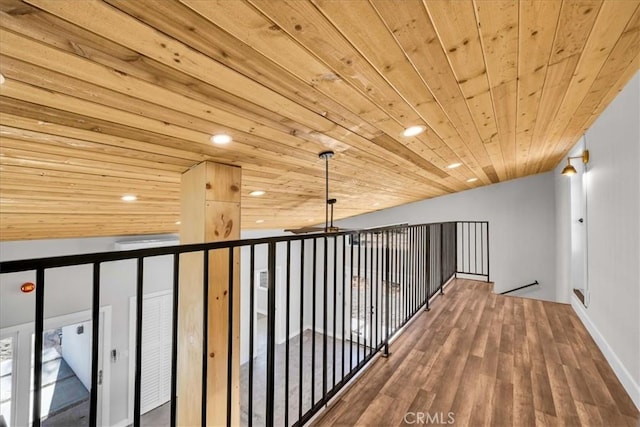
(478, 358)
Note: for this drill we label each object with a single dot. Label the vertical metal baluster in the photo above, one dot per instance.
(488, 244)
(230, 308)
(367, 304)
(360, 244)
(482, 248)
(469, 244)
(37, 348)
(456, 268)
(428, 266)
(413, 271)
(252, 274)
(313, 327)
(138, 367)
(95, 341)
(205, 336)
(475, 246)
(462, 246)
(301, 333)
(441, 258)
(397, 272)
(405, 278)
(271, 335)
(286, 354)
(387, 287)
(376, 283)
(351, 304)
(335, 305)
(422, 281)
(344, 303)
(174, 342)
(325, 301)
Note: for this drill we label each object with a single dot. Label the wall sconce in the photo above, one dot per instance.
(569, 169)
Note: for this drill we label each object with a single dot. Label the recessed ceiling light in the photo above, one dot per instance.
(454, 165)
(260, 221)
(178, 223)
(472, 179)
(257, 193)
(1, 78)
(129, 198)
(414, 130)
(221, 139)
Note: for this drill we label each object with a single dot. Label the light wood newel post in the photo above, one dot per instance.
(210, 211)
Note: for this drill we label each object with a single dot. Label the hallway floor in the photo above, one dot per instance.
(478, 358)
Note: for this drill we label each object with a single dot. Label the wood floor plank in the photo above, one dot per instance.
(489, 360)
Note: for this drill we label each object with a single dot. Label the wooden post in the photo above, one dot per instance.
(210, 211)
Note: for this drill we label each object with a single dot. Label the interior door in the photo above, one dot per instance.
(579, 231)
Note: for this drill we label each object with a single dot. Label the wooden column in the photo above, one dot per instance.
(210, 212)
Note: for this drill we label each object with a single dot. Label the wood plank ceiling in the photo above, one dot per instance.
(105, 98)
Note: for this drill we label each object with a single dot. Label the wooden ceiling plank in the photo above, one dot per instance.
(49, 175)
(14, 124)
(29, 218)
(271, 41)
(82, 148)
(39, 25)
(538, 23)
(166, 50)
(153, 44)
(425, 53)
(31, 159)
(87, 197)
(277, 152)
(499, 28)
(575, 24)
(41, 185)
(178, 21)
(349, 65)
(361, 25)
(52, 81)
(616, 73)
(556, 83)
(456, 27)
(95, 73)
(613, 21)
(249, 127)
(246, 24)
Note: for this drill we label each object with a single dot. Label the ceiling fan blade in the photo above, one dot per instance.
(303, 230)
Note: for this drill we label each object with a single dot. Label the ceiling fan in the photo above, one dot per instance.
(328, 220)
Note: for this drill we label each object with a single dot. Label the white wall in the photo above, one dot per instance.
(76, 351)
(612, 314)
(68, 290)
(521, 215)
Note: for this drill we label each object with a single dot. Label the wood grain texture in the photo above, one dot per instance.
(489, 360)
(103, 98)
(210, 195)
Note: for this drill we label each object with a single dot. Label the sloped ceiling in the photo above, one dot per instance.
(105, 98)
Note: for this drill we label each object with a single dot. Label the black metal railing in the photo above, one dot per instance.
(520, 287)
(331, 303)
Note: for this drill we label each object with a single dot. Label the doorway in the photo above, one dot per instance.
(66, 370)
(579, 280)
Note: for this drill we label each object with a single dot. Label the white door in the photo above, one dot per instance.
(579, 230)
(155, 382)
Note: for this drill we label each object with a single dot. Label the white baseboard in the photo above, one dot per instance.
(123, 423)
(619, 369)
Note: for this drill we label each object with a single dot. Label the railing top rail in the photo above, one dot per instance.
(100, 257)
